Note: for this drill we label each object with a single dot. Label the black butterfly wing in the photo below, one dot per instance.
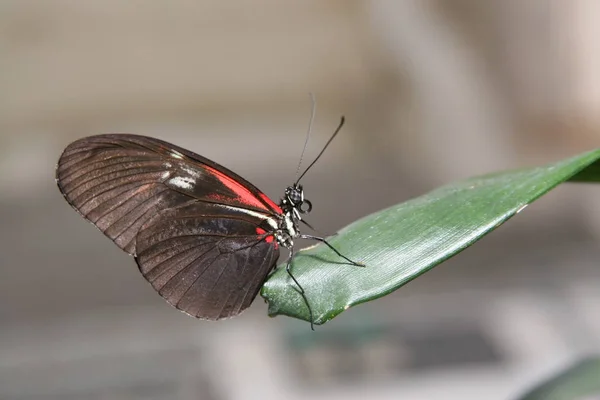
(198, 231)
(119, 181)
(205, 263)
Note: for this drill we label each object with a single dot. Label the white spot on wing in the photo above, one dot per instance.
(190, 171)
(183, 182)
(165, 175)
(176, 154)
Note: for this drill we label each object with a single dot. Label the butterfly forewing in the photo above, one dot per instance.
(199, 232)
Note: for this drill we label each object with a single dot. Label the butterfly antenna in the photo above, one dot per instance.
(337, 130)
(313, 111)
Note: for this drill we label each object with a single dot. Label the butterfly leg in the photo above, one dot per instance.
(300, 288)
(320, 239)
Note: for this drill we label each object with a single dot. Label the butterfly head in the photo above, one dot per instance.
(294, 199)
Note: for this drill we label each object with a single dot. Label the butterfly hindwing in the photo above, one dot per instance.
(193, 260)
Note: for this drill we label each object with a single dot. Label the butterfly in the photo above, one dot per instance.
(204, 237)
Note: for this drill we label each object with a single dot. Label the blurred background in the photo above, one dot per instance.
(433, 91)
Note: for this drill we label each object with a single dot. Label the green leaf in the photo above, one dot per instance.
(406, 240)
(579, 382)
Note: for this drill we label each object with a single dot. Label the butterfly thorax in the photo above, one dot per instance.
(292, 206)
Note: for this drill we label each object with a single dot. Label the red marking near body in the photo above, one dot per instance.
(271, 203)
(261, 231)
(244, 195)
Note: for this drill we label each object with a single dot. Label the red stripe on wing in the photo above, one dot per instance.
(268, 239)
(270, 202)
(245, 196)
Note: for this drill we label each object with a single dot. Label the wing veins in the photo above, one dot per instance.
(164, 250)
(139, 167)
(199, 276)
(107, 163)
(187, 266)
(233, 217)
(129, 212)
(108, 190)
(230, 293)
(122, 203)
(112, 180)
(254, 277)
(175, 255)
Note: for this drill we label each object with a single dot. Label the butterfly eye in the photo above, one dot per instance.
(295, 197)
(307, 209)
